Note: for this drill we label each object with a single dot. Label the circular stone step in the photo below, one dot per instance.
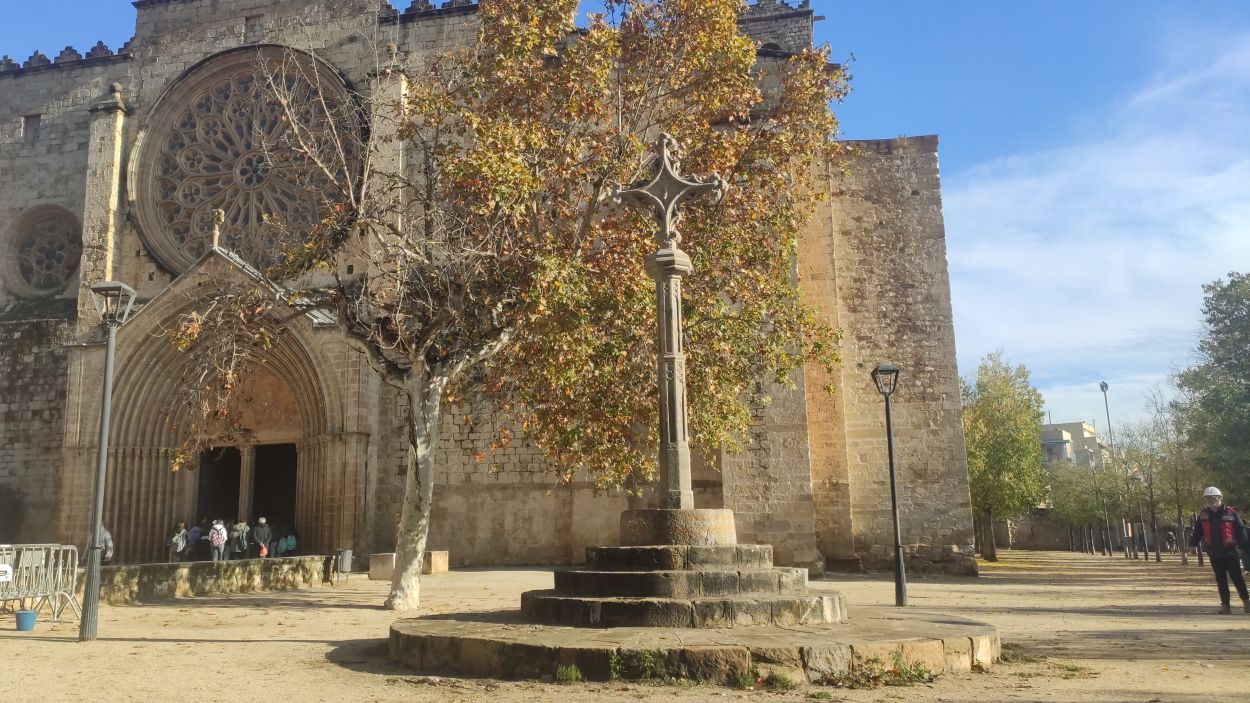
(726, 612)
(503, 646)
(681, 584)
(679, 557)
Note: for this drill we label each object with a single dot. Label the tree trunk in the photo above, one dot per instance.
(425, 413)
(989, 549)
(1183, 542)
(1154, 529)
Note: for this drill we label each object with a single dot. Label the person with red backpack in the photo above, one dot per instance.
(1220, 531)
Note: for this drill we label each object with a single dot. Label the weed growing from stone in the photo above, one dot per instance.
(874, 673)
(569, 674)
(644, 665)
(778, 681)
(820, 695)
(747, 680)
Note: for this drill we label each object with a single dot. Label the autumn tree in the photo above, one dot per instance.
(496, 261)
(1003, 429)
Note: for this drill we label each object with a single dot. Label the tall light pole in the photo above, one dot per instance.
(113, 301)
(886, 378)
(1102, 385)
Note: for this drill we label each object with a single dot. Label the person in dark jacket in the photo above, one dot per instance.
(1220, 531)
(262, 536)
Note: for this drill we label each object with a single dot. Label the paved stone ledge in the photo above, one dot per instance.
(154, 583)
(502, 646)
(681, 583)
(678, 557)
(741, 611)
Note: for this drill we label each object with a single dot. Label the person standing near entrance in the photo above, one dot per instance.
(262, 535)
(177, 542)
(106, 543)
(1220, 530)
(239, 539)
(217, 539)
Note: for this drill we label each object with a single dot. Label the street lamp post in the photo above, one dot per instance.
(886, 378)
(114, 301)
(1103, 386)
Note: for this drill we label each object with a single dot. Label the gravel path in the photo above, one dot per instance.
(1093, 629)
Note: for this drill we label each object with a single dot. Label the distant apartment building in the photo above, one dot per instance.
(1075, 442)
(1072, 442)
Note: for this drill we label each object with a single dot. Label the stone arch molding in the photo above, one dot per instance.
(148, 365)
(214, 140)
(42, 252)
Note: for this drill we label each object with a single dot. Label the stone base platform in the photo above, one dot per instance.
(723, 612)
(702, 586)
(502, 645)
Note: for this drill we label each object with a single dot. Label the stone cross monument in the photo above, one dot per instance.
(662, 194)
(678, 566)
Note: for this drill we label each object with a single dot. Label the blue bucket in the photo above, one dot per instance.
(25, 620)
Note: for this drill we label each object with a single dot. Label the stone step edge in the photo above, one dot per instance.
(505, 659)
(681, 583)
(547, 607)
(679, 557)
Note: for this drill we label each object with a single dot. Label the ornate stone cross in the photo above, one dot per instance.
(662, 194)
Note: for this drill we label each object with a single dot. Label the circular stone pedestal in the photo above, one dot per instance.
(700, 528)
(671, 585)
(504, 646)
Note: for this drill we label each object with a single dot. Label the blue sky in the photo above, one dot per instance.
(1095, 166)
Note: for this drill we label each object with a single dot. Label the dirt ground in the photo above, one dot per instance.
(1090, 628)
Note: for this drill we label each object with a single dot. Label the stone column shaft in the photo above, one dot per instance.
(103, 215)
(668, 267)
(247, 479)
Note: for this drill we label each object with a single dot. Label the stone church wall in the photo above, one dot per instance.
(32, 404)
(44, 122)
(882, 271)
(812, 480)
(506, 506)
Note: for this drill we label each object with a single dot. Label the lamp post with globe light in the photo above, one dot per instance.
(114, 302)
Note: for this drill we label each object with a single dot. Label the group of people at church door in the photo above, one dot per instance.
(218, 541)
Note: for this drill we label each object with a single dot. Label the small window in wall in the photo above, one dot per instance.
(30, 129)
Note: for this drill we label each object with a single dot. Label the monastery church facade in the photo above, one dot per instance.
(111, 165)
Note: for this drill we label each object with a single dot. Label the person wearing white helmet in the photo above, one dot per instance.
(1220, 531)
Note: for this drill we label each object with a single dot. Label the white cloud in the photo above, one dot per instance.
(1086, 262)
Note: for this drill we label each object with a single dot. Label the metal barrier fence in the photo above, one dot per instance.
(38, 575)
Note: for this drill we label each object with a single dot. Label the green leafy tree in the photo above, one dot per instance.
(1214, 408)
(1003, 428)
(1073, 496)
(496, 261)
(1181, 476)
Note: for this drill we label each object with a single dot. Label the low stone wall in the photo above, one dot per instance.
(944, 560)
(150, 583)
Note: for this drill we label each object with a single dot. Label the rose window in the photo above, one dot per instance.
(238, 135)
(44, 252)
